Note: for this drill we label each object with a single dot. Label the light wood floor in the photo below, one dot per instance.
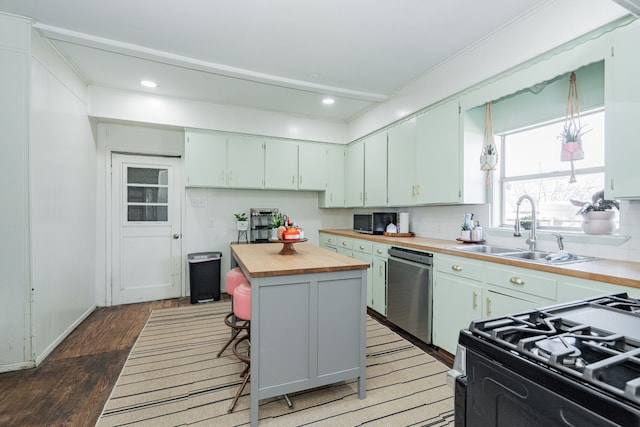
(72, 385)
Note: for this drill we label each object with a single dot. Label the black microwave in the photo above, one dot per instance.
(373, 222)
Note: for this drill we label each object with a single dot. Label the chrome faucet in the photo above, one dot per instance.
(532, 233)
(559, 238)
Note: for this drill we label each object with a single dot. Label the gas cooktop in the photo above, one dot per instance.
(596, 341)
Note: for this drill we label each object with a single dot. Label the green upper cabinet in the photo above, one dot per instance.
(205, 159)
(438, 155)
(623, 111)
(281, 165)
(354, 173)
(375, 170)
(334, 195)
(401, 163)
(312, 166)
(245, 166)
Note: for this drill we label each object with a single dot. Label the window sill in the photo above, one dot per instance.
(569, 236)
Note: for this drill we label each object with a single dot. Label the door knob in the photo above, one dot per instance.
(176, 236)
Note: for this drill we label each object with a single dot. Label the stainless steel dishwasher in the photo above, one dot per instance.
(409, 291)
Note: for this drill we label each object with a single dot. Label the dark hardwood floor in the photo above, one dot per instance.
(72, 385)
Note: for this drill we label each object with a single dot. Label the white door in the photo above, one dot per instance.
(146, 235)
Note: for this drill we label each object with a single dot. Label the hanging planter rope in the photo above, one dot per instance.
(489, 155)
(571, 136)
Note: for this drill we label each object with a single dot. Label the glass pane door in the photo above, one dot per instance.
(147, 194)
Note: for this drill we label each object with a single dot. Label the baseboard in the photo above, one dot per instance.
(61, 337)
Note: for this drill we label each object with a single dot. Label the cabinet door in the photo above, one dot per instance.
(333, 196)
(378, 274)
(438, 155)
(623, 150)
(206, 159)
(245, 162)
(281, 165)
(456, 302)
(497, 304)
(401, 160)
(312, 166)
(375, 170)
(354, 172)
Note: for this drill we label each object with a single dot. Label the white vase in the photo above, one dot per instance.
(465, 234)
(273, 234)
(242, 225)
(598, 222)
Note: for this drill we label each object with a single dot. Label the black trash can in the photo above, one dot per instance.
(204, 275)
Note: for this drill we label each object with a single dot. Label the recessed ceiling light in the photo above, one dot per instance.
(148, 83)
(328, 101)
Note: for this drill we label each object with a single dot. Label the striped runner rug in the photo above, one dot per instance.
(173, 378)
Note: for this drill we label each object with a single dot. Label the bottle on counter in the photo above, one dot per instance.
(476, 231)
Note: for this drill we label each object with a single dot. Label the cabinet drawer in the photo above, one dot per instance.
(328, 239)
(522, 280)
(460, 267)
(363, 246)
(345, 243)
(380, 250)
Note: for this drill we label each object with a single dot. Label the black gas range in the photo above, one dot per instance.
(574, 364)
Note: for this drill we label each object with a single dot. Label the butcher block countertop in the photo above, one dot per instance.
(624, 273)
(263, 260)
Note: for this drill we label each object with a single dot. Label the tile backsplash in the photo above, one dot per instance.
(443, 222)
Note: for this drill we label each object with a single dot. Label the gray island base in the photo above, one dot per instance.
(308, 319)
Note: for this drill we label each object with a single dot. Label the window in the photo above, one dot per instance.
(147, 195)
(531, 165)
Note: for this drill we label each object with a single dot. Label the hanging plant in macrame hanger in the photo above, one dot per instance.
(571, 135)
(489, 156)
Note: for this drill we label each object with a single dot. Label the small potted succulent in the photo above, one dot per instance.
(597, 215)
(489, 157)
(278, 220)
(465, 232)
(526, 221)
(242, 222)
(571, 138)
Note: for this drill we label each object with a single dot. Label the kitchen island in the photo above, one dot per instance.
(308, 318)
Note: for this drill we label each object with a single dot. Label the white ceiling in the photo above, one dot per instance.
(278, 55)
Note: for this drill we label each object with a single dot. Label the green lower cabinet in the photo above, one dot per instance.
(456, 302)
(378, 273)
(498, 304)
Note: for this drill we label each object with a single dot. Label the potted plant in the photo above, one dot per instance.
(597, 215)
(465, 232)
(242, 222)
(526, 221)
(489, 157)
(571, 138)
(277, 220)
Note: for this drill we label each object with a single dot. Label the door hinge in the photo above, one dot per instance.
(613, 51)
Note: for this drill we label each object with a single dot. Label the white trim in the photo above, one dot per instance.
(63, 335)
(181, 194)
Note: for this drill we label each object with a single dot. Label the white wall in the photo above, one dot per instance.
(15, 280)
(111, 104)
(63, 199)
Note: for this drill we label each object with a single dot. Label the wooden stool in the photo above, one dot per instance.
(234, 278)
